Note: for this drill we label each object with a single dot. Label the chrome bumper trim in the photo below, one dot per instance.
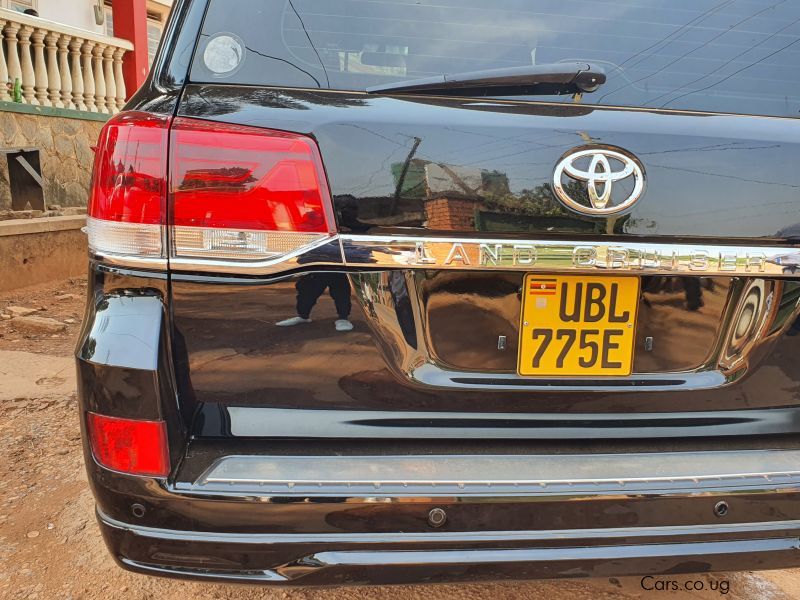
(499, 474)
(325, 252)
(472, 557)
(130, 262)
(347, 558)
(447, 537)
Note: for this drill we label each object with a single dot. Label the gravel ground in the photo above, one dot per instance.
(50, 546)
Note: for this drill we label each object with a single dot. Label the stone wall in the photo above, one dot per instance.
(65, 153)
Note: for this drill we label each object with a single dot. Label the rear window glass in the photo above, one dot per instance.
(739, 56)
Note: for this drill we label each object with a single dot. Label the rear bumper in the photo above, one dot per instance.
(363, 518)
(347, 559)
(331, 520)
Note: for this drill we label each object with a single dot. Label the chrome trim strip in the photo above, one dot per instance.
(206, 573)
(449, 536)
(569, 256)
(516, 474)
(123, 260)
(409, 558)
(432, 374)
(527, 255)
(286, 262)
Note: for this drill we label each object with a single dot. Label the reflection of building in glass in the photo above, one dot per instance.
(446, 197)
(469, 198)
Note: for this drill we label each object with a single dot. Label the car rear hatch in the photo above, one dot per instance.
(465, 234)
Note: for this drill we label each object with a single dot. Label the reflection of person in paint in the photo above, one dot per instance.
(309, 289)
(692, 288)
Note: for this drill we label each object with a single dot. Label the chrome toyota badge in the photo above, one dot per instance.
(604, 180)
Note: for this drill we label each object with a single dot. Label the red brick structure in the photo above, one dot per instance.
(451, 214)
(453, 195)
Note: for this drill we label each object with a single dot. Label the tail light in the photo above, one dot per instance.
(129, 446)
(235, 193)
(128, 200)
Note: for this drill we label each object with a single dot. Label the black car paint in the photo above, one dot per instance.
(197, 309)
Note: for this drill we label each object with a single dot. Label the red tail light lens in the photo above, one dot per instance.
(236, 193)
(130, 169)
(231, 176)
(130, 446)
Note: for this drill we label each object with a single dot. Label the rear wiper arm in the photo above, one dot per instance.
(556, 78)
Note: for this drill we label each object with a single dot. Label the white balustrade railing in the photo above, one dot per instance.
(60, 66)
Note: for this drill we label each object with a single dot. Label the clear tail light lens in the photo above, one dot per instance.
(125, 239)
(129, 446)
(235, 193)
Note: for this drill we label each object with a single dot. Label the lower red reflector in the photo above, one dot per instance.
(130, 446)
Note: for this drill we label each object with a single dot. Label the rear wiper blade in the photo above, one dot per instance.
(556, 78)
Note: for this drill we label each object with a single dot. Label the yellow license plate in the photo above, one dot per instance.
(576, 325)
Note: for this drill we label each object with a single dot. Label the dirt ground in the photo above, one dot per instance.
(50, 546)
(63, 302)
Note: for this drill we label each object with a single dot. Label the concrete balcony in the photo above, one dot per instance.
(60, 66)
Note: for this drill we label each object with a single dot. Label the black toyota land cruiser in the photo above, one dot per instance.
(413, 291)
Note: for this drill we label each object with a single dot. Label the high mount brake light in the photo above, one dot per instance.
(235, 193)
(129, 446)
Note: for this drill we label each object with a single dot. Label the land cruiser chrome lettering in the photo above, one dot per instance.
(563, 256)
